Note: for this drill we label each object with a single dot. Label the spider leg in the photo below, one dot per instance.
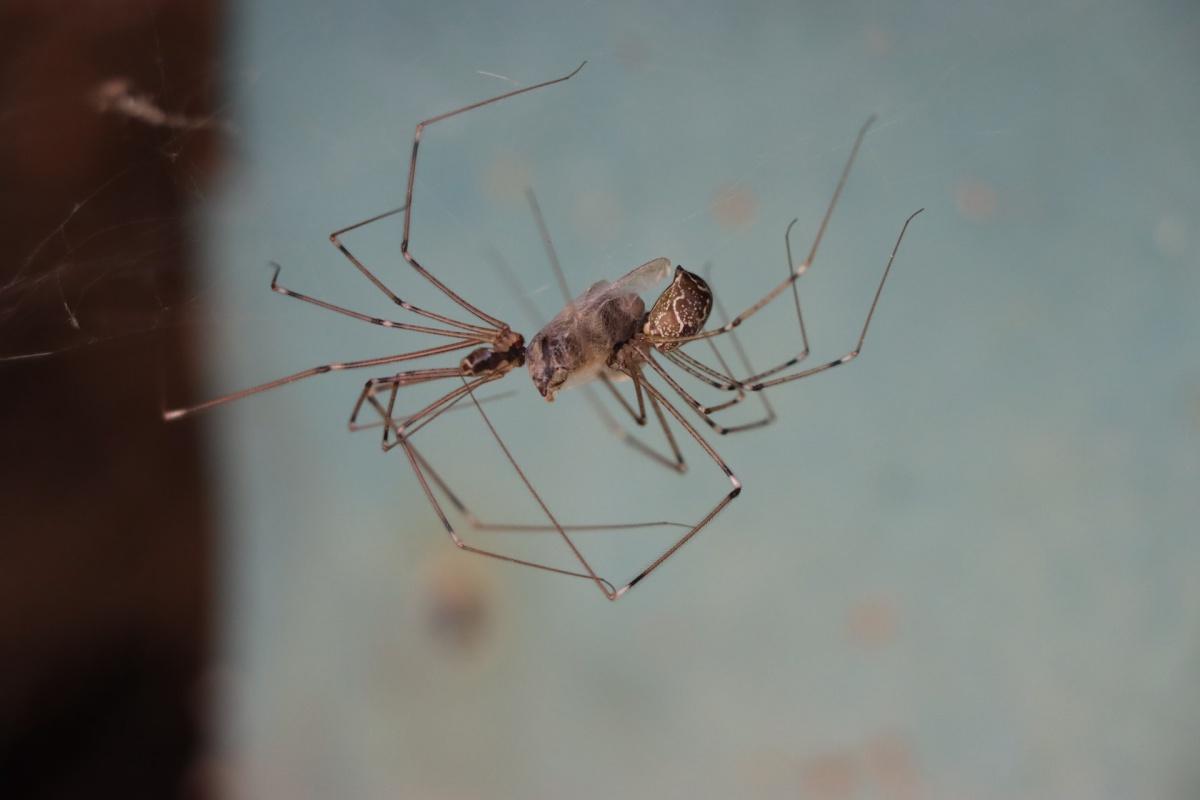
(702, 372)
(176, 413)
(734, 492)
(483, 337)
(706, 374)
(336, 240)
(417, 462)
(482, 525)
(476, 336)
(414, 459)
(791, 268)
(675, 461)
(850, 356)
(412, 173)
(416, 420)
(455, 406)
(794, 273)
(405, 430)
(700, 408)
(755, 383)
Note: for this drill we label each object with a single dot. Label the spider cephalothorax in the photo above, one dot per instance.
(508, 353)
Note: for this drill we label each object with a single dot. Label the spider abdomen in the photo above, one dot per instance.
(681, 310)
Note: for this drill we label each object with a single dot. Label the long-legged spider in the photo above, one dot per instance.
(606, 333)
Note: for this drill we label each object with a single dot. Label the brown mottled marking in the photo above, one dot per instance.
(681, 310)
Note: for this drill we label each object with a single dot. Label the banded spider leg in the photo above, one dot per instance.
(758, 381)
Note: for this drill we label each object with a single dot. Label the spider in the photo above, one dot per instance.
(605, 334)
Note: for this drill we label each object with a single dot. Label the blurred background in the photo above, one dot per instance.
(964, 567)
